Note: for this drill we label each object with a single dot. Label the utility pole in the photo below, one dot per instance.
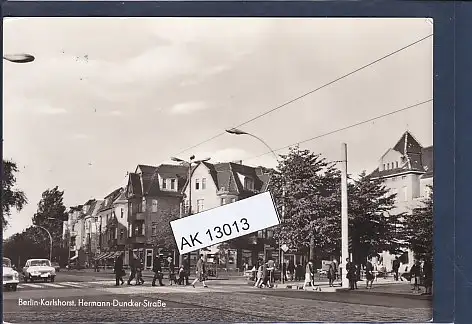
(344, 216)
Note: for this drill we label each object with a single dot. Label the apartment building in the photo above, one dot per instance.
(407, 170)
(154, 194)
(213, 185)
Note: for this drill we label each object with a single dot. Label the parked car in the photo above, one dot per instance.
(38, 269)
(56, 266)
(10, 276)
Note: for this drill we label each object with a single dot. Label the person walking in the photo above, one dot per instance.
(428, 277)
(139, 272)
(270, 269)
(119, 271)
(308, 274)
(415, 274)
(133, 266)
(369, 274)
(395, 268)
(186, 266)
(331, 274)
(291, 269)
(284, 271)
(350, 273)
(201, 272)
(260, 274)
(172, 277)
(157, 269)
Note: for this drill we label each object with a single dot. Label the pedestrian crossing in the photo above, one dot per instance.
(65, 285)
(109, 285)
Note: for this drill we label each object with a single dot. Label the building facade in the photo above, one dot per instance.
(154, 195)
(407, 170)
(213, 185)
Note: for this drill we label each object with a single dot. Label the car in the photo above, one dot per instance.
(38, 269)
(10, 275)
(56, 266)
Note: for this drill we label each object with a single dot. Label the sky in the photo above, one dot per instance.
(106, 94)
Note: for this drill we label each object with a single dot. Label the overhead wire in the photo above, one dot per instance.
(311, 91)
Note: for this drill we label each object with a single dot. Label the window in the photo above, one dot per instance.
(396, 164)
(222, 201)
(122, 212)
(427, 192)
(139, 228)
(115, 233)
(164, 183)
(395, 192)
(233, 200)
(154, 229)
(383, 167)
(203, 183)
(130, 233)
(173, 184)
(405, 193)
(199, 205)
(186, 207)
(122, 234)
(143, 205)
(197, 184)
(154, 206)
(394, 178)
(248, 183)
(403, 177)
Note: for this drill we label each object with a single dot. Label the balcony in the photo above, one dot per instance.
(137, 239)
(137, 217)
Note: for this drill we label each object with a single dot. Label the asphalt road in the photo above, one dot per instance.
(218, 303)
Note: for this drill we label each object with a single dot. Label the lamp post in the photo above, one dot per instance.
(236, 131)
(189, 164)
(50, 241)
(19, 58)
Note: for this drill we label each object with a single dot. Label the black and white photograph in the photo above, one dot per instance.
(185, 170)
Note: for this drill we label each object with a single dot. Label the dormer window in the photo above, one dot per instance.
(248, 183)
(384, 167)
(173, 185)
(197, 184)
(164, 184)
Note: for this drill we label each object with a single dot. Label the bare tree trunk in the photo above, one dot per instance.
(312, 248)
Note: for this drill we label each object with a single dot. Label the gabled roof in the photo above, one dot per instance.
(225, 178)
(110, 198)
(146, 179)
(415, 158)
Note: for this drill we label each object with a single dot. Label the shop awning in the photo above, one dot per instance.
(74, 257)
(102, 256)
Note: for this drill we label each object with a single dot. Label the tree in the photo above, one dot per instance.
(51, 214)
(11, 197)
(31, 243)
(418, 229)
(312, 204)
(162, 231)
(372, 226)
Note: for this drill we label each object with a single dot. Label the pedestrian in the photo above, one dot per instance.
(260, 274)
(299, 272)
(133, 266)
(336, 268)
(157, 269)
(186, 264)
(96, 266)
(331, 274)
(357, 272)
(181, 275)
(308, 274)
(350, 273)
(369, 275)
(284, 271)
(428, 277)
(266, 275)
(395, 267)
(291, 269)
(139, 272)
(270, 269)
(172, 277)
(201, 272)
(415, 274)
(118, 269)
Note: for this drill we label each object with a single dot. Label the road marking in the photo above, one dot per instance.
(52, 285)
(32, 285)
(73, 284)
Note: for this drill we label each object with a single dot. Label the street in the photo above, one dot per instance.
(71, 297)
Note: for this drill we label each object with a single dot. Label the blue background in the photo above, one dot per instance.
(452, 107)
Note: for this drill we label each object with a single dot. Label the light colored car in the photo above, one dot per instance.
(10, 276)
(38, 269)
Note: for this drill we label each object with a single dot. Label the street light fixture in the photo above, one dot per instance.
(236, 131)
(189, 164)
(50, 236)
(19, 58)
